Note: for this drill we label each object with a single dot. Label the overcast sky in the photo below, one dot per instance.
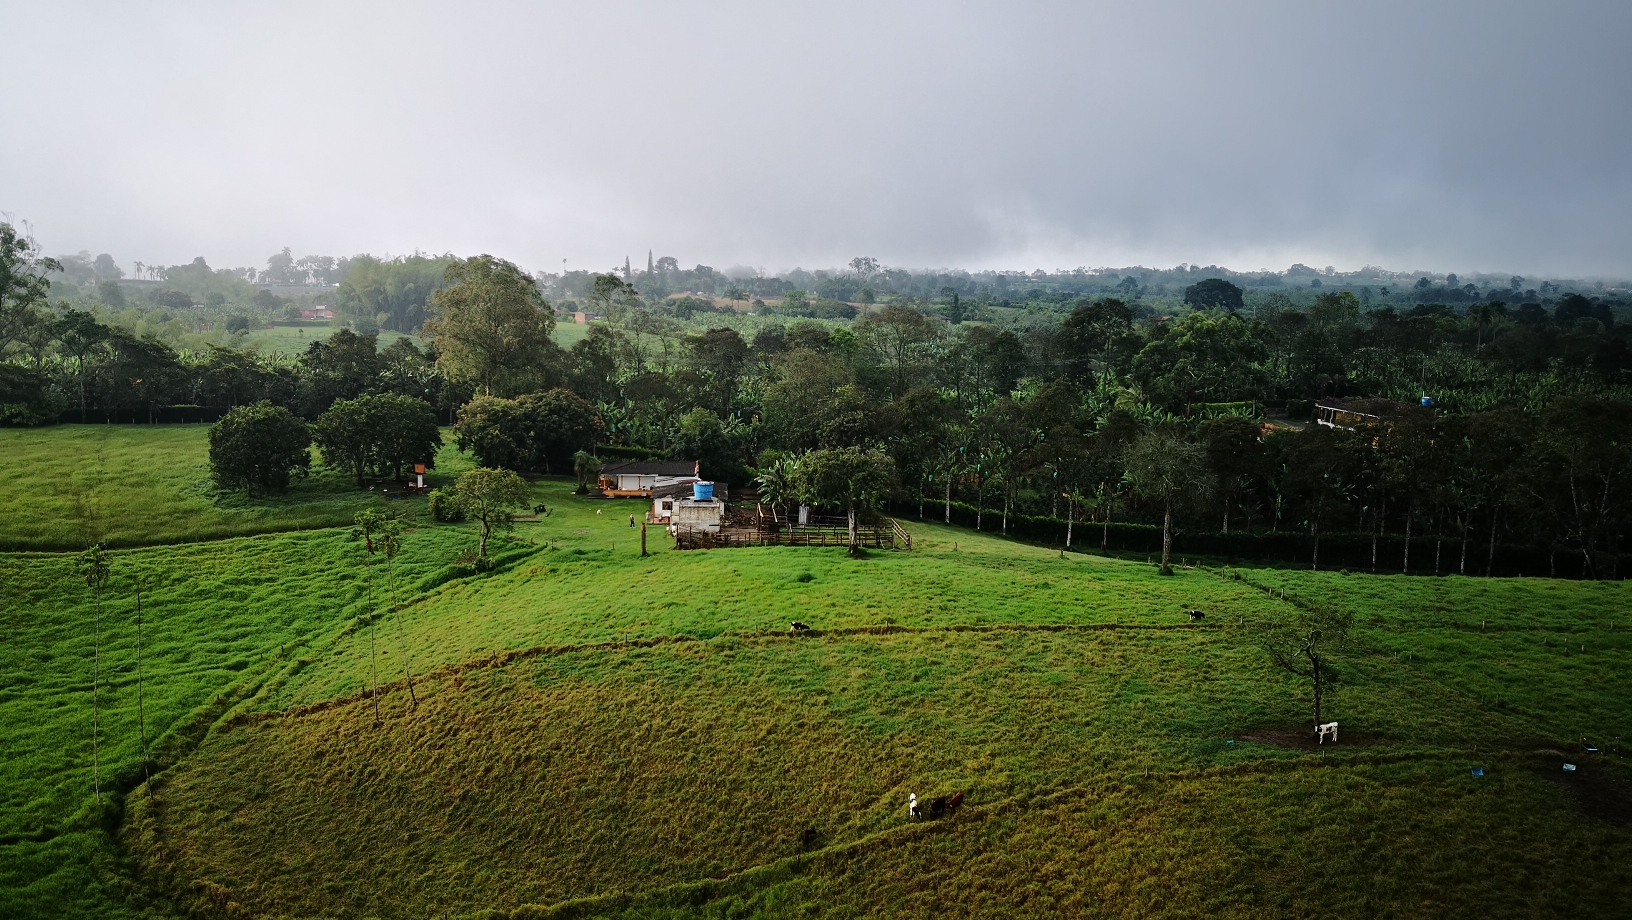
(1478, 136)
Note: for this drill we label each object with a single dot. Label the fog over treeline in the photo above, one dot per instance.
(392, 292)
(1459, 136)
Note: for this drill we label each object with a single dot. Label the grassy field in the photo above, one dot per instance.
(568, 333)
(601, 734)
(69, 486)
(292, 340)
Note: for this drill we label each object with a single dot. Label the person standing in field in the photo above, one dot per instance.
(631, 520)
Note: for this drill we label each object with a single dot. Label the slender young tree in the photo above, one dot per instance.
(368, 526)
(94, 565)
(390, 543)
(490, 497)
(141, 704)
(1165, 468)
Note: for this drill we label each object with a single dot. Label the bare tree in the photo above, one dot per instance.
(1302, 644)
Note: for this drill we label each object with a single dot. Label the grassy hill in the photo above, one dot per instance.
(600, 734)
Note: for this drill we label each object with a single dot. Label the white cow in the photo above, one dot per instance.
(1321, 731)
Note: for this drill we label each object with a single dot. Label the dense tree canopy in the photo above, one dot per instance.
(259, 447)
(1213, 294)
(1001, 399)
(491, 326)
(383, 433)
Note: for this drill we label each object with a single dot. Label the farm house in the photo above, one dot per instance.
(1353, 414)
(643, 478)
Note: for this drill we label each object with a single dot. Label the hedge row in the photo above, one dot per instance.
(158, 415)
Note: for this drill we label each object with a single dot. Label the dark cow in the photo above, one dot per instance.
(937, 808)
(798, 627)
(954, 803)
(1196, 615)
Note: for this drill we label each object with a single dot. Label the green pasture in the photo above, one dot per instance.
(218, 618)
(569, 333)
(68, 486)
(294, 339)
(642, 737)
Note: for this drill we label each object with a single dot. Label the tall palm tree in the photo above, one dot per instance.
(389, 542)
(368, 525)
(94, 566)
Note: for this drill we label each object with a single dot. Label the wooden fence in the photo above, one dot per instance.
(887, 534)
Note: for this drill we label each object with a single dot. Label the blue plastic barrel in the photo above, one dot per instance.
(702, 491)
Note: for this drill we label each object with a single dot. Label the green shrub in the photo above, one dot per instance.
(444, 506)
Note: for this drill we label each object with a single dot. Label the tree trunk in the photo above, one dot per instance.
(1315, 671)
(948, 508)
(1439, 544)
(1490, 561)
(855, 547)
(373, 655)
(1167, 539)
(1405, 568)
(482, 549)
(1462, 566)
(1314, 528)
(96, 685)
(402, 635)
(141, 703)
(1005, 509)
(980, 501)
(1070, 517)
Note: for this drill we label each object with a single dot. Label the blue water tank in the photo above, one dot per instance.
(1427, 402)
(702, 491)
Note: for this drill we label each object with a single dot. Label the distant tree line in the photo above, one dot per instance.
(1111, 413)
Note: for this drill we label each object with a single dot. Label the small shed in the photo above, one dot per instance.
(678, 506)
(691, 514)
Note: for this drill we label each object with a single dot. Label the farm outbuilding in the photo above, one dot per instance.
(642, 478)
(693, 507)
(1353, 414)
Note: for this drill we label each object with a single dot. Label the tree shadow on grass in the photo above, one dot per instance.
(1302, 738)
